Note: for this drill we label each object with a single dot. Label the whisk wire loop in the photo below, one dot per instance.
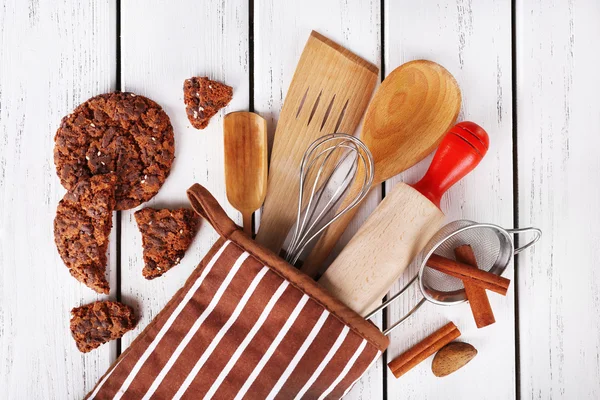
(308, 216)
(324, 159)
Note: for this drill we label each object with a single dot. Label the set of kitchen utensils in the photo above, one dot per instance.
(319, 174)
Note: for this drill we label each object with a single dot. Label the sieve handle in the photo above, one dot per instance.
(460, 151)
(391, 300)
(536, 232)
(401, 320)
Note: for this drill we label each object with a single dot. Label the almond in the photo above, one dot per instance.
(452, 357)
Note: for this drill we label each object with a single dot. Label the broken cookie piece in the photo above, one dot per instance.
(203, 99)
(97, 323)
(166, 235)
(81, 228)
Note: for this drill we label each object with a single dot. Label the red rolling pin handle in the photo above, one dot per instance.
(460, 151)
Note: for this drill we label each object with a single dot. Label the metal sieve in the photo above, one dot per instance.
(493, 247)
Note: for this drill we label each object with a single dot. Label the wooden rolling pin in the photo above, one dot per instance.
(402, 224)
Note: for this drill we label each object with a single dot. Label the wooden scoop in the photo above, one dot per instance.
(410, 113)
(245, 143)
(329, 93)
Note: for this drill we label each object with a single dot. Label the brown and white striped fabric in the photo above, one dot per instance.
(246, 325)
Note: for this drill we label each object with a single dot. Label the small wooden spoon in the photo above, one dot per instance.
(245, 144)
(411, 111)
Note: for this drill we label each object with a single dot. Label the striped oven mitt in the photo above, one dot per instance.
(246, 325)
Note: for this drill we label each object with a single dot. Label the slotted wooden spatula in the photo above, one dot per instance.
(329, 93)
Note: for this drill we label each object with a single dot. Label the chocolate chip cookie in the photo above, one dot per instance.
(121, 133)
(166, 235)
(97, 323)
(203, 99)
(81, 228)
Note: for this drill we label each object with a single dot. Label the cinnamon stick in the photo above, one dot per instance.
(478, 299)
(465, 273)
(424, 349)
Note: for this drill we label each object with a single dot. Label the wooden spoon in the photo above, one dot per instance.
(411, 111)
(245, 143)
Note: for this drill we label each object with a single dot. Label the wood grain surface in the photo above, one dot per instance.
(528, 75)
(357, 28)
(558, 121)
(199, 158)
(473, 41)
(53, 56)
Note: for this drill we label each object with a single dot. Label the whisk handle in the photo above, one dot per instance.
(318, 255)
(460, 151)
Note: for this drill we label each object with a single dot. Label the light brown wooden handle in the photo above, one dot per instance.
(247, 222)
(468, 274)
(277, 216)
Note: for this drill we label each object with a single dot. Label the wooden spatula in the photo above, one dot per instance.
(329, 93)
(402, 224)
(245, 144)
(410, 113)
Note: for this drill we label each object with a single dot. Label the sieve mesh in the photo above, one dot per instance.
(487, 242)
(493, 247)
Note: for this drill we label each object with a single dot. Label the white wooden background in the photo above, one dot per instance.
(528, 72)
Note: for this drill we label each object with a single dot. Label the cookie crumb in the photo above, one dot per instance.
(203, 99)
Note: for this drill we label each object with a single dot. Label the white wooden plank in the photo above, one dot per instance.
(164, 43)
(473, 41)
(558, 125)
(281, 31)
(53, 55)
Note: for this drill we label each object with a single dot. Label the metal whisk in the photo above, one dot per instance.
(330, 166)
